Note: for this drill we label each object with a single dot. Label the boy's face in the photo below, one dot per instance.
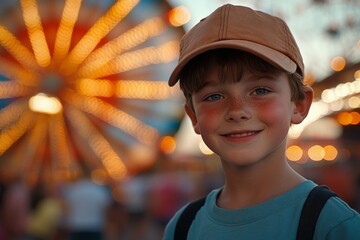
(246, 121)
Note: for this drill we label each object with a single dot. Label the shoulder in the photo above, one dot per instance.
(170, 227)
(338, 221)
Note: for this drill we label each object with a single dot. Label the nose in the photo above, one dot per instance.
(238, 110)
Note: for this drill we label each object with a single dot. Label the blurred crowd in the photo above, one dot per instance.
(138, 208)
(85, 210)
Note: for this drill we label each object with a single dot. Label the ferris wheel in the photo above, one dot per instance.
(83, 85)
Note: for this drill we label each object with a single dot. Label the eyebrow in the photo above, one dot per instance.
(209, 83)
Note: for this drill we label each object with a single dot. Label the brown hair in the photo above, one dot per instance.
(232, 63)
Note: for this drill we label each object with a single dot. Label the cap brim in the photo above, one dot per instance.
(268, 54)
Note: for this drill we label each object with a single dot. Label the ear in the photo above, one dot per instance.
(302, 107)
(190, 112)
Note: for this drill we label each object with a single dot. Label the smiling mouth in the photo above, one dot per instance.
(241, 134)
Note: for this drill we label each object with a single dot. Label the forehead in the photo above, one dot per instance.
(234, 72)
(216, 74)
(227, 65)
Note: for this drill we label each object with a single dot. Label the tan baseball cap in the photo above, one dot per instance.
(238, 27)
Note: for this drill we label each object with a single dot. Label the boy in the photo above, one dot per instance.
(241, 73)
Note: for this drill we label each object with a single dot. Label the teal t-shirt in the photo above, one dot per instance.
(276, 218)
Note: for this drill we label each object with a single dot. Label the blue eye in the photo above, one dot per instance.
(260, 91)
(213, 97)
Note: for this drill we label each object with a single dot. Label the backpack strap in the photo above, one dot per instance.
(311, 211)
(307, 223)
(186, 218)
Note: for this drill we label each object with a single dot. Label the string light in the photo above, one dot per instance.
(332, 100)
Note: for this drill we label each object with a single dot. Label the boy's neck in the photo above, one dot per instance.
(245, 188)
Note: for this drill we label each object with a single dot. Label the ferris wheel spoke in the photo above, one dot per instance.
(85, 92)
(130, 39)
(17, 49)
(12, 112)
(98, 31)
(99, 145)
(126, 89)
(163, 53)
(137, 108)
(32, 154)
(63, 159)
(36, 33)
(111, 115)
(144, 90)
(65, 30)
(9, 135)
(10, 89)
(18, 73)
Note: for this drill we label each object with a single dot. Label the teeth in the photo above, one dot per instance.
(241, 134)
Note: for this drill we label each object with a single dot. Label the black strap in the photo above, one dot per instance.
(186, 218)
(307, 223)
(311, 211)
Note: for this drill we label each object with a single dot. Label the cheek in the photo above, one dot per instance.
(274, 112)
(208, 118)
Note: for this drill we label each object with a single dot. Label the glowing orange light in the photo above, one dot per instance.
(330, 153)
(167, 144)
(357, 74)
(349, 118)
(179, 16)
(294, 153)
(338, 63)
(316, 153)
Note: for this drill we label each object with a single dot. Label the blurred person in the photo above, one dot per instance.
(14, 211)
(166, 195)
(86, 204)
(46, 213)
(135, 213)
(242, 73)
(117, 220)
